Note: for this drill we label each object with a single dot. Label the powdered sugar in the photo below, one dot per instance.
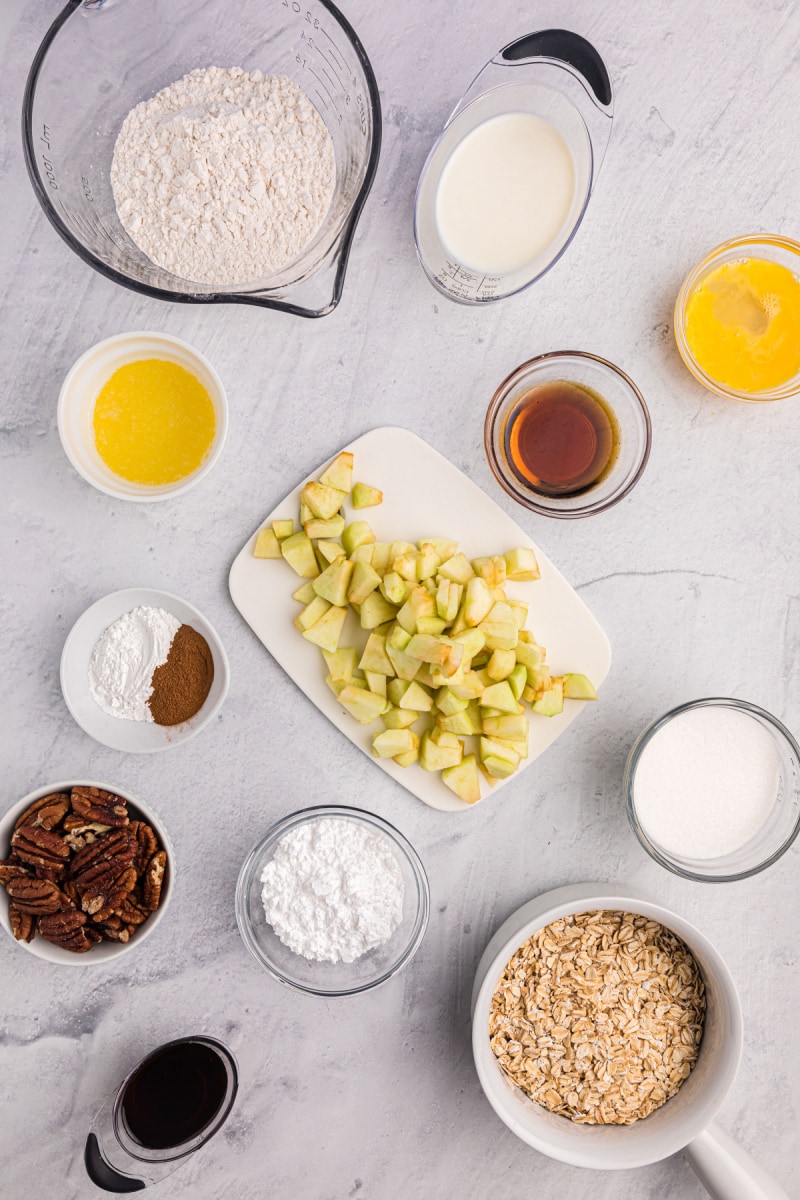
(124, 659)
(223, 177)
(333, 890)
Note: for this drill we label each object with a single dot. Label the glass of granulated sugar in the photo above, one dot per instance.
(713, 790)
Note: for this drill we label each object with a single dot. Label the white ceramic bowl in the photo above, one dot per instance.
(135, 737)
(82, 386)
(685, 1121)
(104, 952)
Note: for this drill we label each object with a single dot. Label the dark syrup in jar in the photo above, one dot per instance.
(561, 438)
(174, 1095)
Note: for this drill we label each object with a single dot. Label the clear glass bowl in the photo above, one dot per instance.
(101, 57)
(622, 397)
(773, 247)
(325, 978)
(775, 836)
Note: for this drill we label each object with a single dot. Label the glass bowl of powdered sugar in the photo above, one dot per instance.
(713, 790)
(332, 901)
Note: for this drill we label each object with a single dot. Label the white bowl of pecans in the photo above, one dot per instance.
(86, 872)
(607, 1032)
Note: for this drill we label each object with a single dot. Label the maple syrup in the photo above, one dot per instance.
(561, 438)
(174, 1095)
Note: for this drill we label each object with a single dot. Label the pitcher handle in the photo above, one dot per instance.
(567, 47)
(102, 1174)
(727, 1172)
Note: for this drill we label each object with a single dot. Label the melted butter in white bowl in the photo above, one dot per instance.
(505, 193)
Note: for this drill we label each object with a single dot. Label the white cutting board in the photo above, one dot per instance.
(424, 495)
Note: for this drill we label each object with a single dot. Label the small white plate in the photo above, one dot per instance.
(134, 737)
(103, 952)
(424, 495)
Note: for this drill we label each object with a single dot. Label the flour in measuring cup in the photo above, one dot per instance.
(223, 177)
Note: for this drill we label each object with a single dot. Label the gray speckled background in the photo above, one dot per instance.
(694, 577)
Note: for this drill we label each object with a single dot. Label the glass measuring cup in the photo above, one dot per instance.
(101, 57)
(117, 1162)
(553, 74)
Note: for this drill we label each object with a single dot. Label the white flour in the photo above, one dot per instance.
(333, 890)
(124, 659)
(223, 177)
(707, 782)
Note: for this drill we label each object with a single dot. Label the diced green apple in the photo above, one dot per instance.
(305, 593)
(457, 569)
(341, 663)
(334, 581)
(463, 779)
(501, 664)
(363, 583)
(339, 474)
(323, 501)
(365, 706)
(358, 533)
(392, 742)
(328, 629)
(500, 696)
(435, 756)
(282, 529)
(330, 551)
(299, 553)
(478, 601)
(410, 756)
(365, 496)
(399, 718)
(511, 726)
(491, 570)
(376, 682)
(416, 697)
(375, 611)
(517, 680)
(578, 687)
(311, 613)
(551, 702)
(521, 564)
(394, 588)
(266, 544)
(375, 657)
(317, 528)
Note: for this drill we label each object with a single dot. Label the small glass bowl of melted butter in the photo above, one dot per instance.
(737, 319)
(567, 434)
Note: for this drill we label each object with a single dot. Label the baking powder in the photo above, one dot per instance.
(124, 659)
(223, 177)
(333, 890)
(706, 782)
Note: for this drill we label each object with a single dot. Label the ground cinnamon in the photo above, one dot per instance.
(181, 684)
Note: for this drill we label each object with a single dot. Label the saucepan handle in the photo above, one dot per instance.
(727, 1172)
(564, 46)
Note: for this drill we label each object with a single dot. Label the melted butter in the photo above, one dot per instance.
(154, 422)
(742, 324)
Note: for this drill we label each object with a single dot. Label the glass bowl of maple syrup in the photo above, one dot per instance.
(567, 434)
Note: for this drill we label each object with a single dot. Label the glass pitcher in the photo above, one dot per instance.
(102, 57)
(150, 1128)
(554, 74)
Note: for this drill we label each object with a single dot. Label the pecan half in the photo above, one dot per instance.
(40, 847)
(10, 870)
(118, 846)
(60, 927)
(153, 880)
(95, 805)
(146, 844)
(107, 892)
(131, 913)
(23, 926)
(35, 895)
(47, 812)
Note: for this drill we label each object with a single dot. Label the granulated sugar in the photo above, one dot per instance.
(706, 782)
(333, 890)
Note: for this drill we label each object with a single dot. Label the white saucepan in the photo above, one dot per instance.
(686, 1121)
